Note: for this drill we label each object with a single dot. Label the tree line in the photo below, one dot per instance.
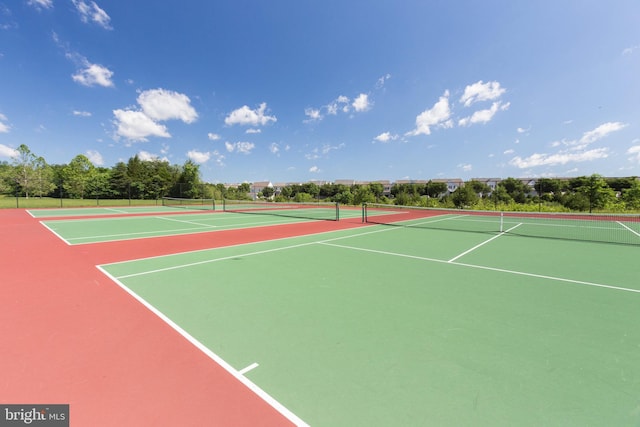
(585, 193)
(29, 175)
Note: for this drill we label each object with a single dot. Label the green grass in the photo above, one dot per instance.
(8, 202)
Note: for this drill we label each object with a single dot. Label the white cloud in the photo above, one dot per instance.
(213, 136)
(240, 147)
(362, 103)
(314, 169)
(481, 92)
(465, 167)
(40, 4)
(162, 104)
(198, 156)
(4, 127)
(145, 156)
(93, 74)
(156, 105)
(483, 116)
(382, 80)
(523, 130)
(439, 115)
(560, 158)
(92, 13)
(8, 152)
(137, 126)
(601, 131)
(386, 137)
(251, 131)
(313, 114)
(635, 153)
(81, 113)
(95, 157)
(630, 50)
(247, 117)
(274, 148)
(510, 151)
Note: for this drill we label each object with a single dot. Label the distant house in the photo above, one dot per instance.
(452, 184)
(257, 187)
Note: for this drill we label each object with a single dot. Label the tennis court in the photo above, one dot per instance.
(170, 221)
(410, 325)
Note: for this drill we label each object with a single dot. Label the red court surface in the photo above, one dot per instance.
(71, 336)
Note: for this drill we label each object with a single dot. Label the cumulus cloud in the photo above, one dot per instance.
(465, 167)
(91, 12)
(81, 113)
(156, 105)
(572, 150)
(386, 137)
(198, 156)
(137, 126)
(162, 104)
(439, 116)
(213, 136)
(8, 152)
(245, 116)
(361, 103)
(313, 115)
(483, 116)
(314, 169)
(93, 75)
(240, 147)
(481, 91)
(95, 157)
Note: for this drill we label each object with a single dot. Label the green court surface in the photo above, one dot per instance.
(92, 230)
(114, 210)
(390, 326)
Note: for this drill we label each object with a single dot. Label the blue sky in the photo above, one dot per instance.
(298, 90)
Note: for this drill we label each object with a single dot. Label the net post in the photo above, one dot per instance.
(337, 211)
(224, 205)
(364, 212)
(501, 221)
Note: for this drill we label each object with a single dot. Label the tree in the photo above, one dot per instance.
(464, 196)
(268, 192)
(435, 189)
(32, 175)
(631, 195)
(595, 190)
(515, 188)
(76, 176)
(480, 188)
(189, 184)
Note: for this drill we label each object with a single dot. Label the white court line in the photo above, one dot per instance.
(219, 360)
(630, 229)
(116, 210)
(55, 234)
(483, 243)
(481, 267)
(186, 222)
(248, 368)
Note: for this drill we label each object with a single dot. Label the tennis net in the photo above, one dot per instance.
(179, 202)
(311, 210)
(609, 228)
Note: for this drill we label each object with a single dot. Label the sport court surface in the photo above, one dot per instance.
(381, 325)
